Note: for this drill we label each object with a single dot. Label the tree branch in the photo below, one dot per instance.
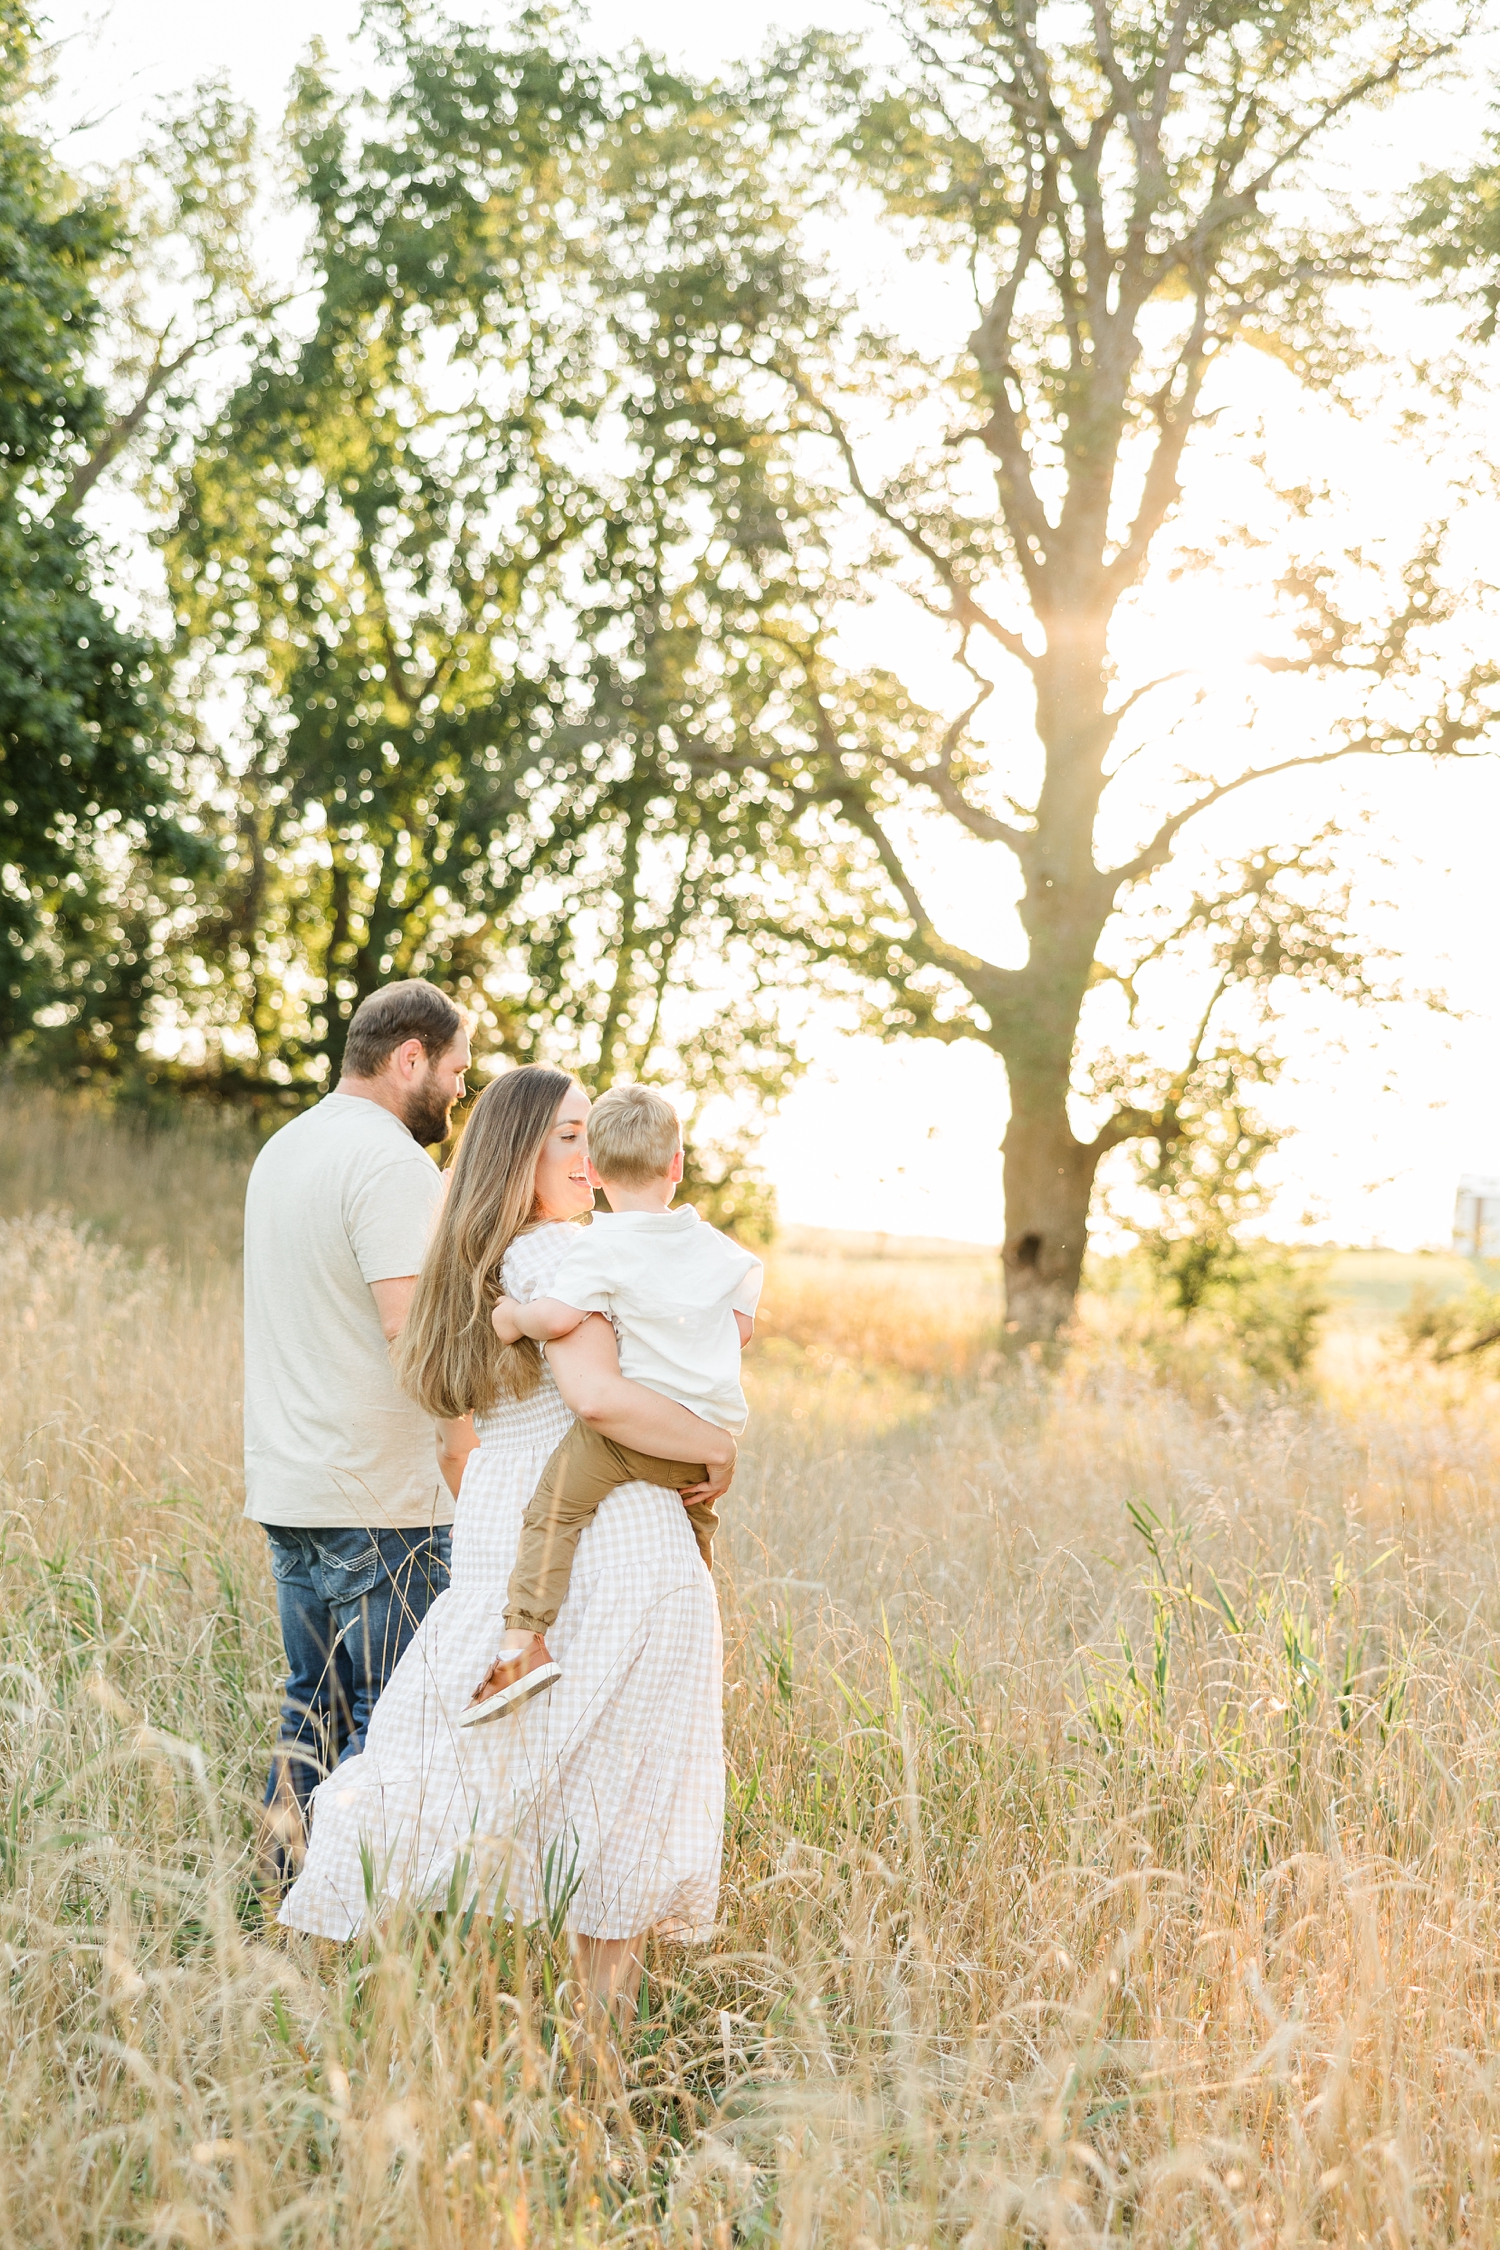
(1160, 489)
(966, 611)
(990, 342)
(1156, 853)
(1460, 1351)
(1126, 1124)
(938, 777)
(995, 989)
(1138, 695)
(1121, 87)
(1031, 534)
(120, 432)
(1131, 1124)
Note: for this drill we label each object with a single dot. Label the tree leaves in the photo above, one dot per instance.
(86, 771)
(496, 546)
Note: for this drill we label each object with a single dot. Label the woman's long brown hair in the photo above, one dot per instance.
(448, 1357)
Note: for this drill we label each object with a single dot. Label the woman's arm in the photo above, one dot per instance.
(587, 1368)
(456, 1440)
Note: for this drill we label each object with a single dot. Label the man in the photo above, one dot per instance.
(339, 1464)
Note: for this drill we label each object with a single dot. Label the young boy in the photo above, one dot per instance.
(682, 1299)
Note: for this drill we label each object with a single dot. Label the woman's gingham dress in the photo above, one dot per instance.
(601, 1800)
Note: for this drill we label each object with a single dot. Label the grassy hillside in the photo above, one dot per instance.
(1368, 1288)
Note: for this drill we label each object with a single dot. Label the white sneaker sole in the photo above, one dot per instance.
(506, 1698)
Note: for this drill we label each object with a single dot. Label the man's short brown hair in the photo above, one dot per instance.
(380, 1024)
(633, 1135)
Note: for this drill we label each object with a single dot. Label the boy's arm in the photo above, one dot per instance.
(746, 1299)
(543, 1320)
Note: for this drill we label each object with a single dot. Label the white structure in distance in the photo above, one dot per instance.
(1476, 1216)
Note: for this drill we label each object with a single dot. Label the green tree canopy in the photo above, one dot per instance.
(86, 781)
(488, 544)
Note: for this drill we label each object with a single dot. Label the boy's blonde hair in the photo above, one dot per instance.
(633, 1135)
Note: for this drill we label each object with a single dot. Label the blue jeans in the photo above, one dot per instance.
(350, 1600)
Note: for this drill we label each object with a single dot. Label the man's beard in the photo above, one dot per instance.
(426, 1116)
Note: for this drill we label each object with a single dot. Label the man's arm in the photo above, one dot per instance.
(543, 1320)
(457, 1439)
(393, 1302)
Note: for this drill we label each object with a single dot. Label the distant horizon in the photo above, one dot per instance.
(951, 1246)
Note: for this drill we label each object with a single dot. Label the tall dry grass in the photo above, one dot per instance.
(1110, 1856)
(148, 1187)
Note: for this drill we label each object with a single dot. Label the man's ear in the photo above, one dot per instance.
(674, 1169)
(408, 1056)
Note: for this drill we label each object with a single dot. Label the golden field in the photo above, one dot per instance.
(1113, 1850)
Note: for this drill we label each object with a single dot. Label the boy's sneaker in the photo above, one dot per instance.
(516, 1677)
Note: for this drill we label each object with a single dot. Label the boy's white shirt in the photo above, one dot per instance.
(671, 1285)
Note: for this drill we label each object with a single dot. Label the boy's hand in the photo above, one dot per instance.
(504, 1322)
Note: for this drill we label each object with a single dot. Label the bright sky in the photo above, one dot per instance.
(905, 1138)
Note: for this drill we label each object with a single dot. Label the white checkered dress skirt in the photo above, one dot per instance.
(602, 1799)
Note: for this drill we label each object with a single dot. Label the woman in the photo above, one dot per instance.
(602, 1799)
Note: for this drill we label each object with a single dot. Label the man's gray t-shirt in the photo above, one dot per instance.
(341, 1197)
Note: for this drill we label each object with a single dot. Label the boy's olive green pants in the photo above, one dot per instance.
(583, 1471)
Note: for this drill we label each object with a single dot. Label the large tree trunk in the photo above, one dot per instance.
(1049, 1180)
(1049, 1174)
